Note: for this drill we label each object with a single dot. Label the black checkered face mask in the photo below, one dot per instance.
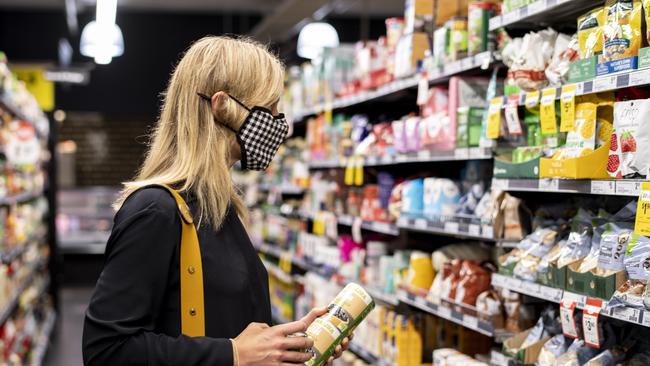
(260, 136)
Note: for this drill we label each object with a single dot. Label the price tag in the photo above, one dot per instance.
(604, 83)
(356, 230)
(580, 300)
(536, 7)
(513, 283)
(642, 222)
(568, 108)
(627, 314)
(550, 293)
(532, 99)
(530, 288)
(421, 223)
(549, 184)
(640, 78)
(386, 159)
(498, 280)
(470, 322)
(494, 118)
(423, 89)
(603, 187)
(509, 17)
(453, 68)
(424, 155)
(467, 63)
(624, 188)
(451, 227)
(567, 307)
(500, 184)
(512, 115)
(487, 231)
(646, 319)
(461, 153)
(590, 322)
(444, 312)
(381, 227)
(547, 112)
(421, 301)
(401, 158)
(474, 230)
(403, 221)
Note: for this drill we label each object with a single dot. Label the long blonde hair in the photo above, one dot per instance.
(190, 147)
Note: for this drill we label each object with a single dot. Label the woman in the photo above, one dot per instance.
(220, 107)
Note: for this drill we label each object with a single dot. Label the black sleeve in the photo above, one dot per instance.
(119, 327)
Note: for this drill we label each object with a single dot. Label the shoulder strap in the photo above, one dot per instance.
(191, 272)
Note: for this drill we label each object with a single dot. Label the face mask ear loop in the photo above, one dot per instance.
(238, 102)
(207, 98)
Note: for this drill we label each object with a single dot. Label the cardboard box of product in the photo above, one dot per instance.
(505, 168)
(592, 285)
(528, 355)
(418, 16)
(590, 166)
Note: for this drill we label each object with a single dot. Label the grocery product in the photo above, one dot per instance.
(628, 133)
(478, 34)
(345, 312)
(622, 32)
(590, 32)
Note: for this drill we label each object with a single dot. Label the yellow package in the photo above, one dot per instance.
(590, 32)
(646, 11)
(622, 32)
(582, 140)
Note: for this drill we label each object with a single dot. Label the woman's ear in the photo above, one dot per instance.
(218, 100)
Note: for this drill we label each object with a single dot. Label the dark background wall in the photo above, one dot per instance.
(125, 95)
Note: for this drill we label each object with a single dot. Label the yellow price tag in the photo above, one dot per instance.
(547, 112)
(642, 222)
(348, 179)
(318, 226)
(358, 171)
(494, 118)
(568, 108)
(532, 99)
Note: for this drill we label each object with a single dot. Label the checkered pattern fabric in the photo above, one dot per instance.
(260, 138)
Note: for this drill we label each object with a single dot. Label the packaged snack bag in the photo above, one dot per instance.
(582, 140)
(646, 12)
(590, 32)
(478, 21)
(622, 32)
(630, 130)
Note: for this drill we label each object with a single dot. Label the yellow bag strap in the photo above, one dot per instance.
(191, 272)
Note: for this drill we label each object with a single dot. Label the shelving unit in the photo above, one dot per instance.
(614, 187)
(541, 12)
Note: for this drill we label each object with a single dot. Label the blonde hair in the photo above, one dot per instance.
(190, 147)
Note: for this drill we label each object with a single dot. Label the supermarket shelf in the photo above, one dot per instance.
(283, 189)
(11, 255)
(448, 228)
(499, 359)
(40, 349)
(20, 198)
(599, 84)
(13, 300)
(376, 226)
(382, 296)
(630, 315)
(614, 187)
(467, 321)
(426, 156)
(366, 355)
(542, 12)
(12, 108)
(482, 60)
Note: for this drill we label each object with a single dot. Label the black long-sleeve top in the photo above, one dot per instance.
(133, 317)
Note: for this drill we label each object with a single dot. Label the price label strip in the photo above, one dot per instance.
(590, 315)
(568, 108)
(642, 222)
(512, 115)
(547, 112)
(569, 328)
(494, 118)
(532, 99)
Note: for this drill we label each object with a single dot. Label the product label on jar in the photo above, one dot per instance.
(324, 334)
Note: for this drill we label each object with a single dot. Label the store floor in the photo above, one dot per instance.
(65, 346)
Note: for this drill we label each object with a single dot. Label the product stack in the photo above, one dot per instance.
(26, 310)
(479, 170)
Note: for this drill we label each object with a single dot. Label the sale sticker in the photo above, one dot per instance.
(569, 328)
(568, 108)
(547, 112)
(590, 315)
(494, 118)
(642, 222)
(512, 115)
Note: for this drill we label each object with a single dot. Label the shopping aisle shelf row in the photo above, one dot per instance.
(540, 11)
(8, 105)
(481, 60)
(19, 198)
(425, 156)
(366, 355)
(630, 315)
(43, 340)
(597, 85)
(466, 320)
(9, 307)
(10, 255)
(282, 188)
(607, 187)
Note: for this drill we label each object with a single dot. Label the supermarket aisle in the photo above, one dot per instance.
(65, 349)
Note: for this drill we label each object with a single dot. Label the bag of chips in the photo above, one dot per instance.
(590, 32)
(622, 32)
(630, 131)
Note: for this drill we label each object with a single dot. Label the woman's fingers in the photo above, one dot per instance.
(297, 343)
(295, 357)
(313, 314)
(290, 328)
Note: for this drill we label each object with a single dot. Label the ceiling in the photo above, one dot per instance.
(349, 7)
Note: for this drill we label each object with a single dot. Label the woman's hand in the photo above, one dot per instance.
(261, 345)
(338, 351)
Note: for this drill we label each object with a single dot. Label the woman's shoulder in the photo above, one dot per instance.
(153, 198)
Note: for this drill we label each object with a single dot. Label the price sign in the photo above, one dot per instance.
(512, 115)
(421, 301)
(474, 230)
(494, 118)
(603, 187)
(444, 312)
(590, 322)
(421, 223)
(470, 322)
(568, 108)
(424, 155)
(642, 222)
(451, 227)
(547, 112)
(549, 184)
(532, 99)
(567, 307)
(488, 231)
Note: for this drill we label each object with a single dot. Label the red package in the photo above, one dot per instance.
(474, 280)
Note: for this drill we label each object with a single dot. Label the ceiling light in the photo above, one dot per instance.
(101, 42)
(314, 37)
